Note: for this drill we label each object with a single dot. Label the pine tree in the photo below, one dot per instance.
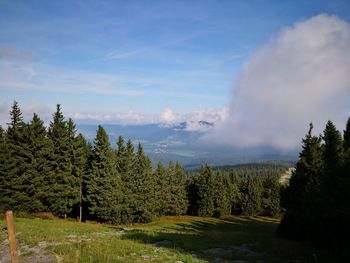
(40, 149)
(302, 198)
(222, 194)
(251, 196)
(121, 153)
(143, 188)
(271, 196)
(103, 186)
(80, 161)
(161, 189)
(180, 190)
(205, 192)
(17, 178)
(126, 166)
(61, 184)
(332, 188)
(174, 190)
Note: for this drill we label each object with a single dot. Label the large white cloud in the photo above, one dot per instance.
(302, 75)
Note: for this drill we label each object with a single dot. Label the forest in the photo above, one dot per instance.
(54, 169)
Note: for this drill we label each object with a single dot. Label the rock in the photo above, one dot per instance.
(163, 243)
(178, 261)
(124, 230)
(146, 257)
(218, 251)
(244, 249)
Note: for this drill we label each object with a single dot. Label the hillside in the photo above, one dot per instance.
(169, 239)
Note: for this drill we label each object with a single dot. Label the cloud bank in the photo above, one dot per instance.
(302, 75)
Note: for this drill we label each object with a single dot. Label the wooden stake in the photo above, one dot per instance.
(12, 236)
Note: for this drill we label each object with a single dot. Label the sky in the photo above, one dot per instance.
(151, 61)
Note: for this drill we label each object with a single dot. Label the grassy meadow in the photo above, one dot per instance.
(169, 239)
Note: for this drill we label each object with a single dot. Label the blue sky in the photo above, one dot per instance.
(135, 58)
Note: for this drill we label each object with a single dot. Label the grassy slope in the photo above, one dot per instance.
(190, 238)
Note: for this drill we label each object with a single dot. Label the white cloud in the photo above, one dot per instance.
(129, 117)
(167, 116)
(302, 75)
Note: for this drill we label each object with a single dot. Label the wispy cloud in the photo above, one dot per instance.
(166, 117)
(16, 53)
(42, 77)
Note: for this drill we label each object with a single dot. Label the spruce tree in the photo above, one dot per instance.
(103, 185)
(143, 188)
(40, 149)
(271, 196)
(301, 198)
(180, 194)
(161, 189)
(205, 192)
(174, 191)
(60, 184)
(80, 161)
(126, 166)
(17, 178)
(220, 197)
(332, 188)
(251, 196)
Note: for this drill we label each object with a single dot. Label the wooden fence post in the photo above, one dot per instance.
(11, 236)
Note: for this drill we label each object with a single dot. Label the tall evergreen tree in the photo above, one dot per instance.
(271, 196)
(126, 166)
(143, 188)
(161, 189)
(205, 192)
(40, 150)
(80, 162)
(304, 188)
(103, 186)
(251, 196)
(16, 178)
(174, 190)
(61, 184)
(333, 192)
(222, 194)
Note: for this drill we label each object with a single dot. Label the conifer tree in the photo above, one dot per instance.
(103, 186)
(223, 194)
(126, 166)
(40, 151)
(80, 161)
(333, 191)
(174, 190)
(251, 196)
(180, 194)
(161, 189)
(271, 196)
(143, 188)
(205, 192)
(60, 188)
(302, 198)
(16, 178)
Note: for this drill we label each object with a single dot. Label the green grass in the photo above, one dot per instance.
(190, 238)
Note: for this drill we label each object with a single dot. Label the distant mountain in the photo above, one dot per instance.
(181, 142)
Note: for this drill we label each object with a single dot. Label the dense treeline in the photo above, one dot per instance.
(55, 169)
(242, 190)
(317, 201)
